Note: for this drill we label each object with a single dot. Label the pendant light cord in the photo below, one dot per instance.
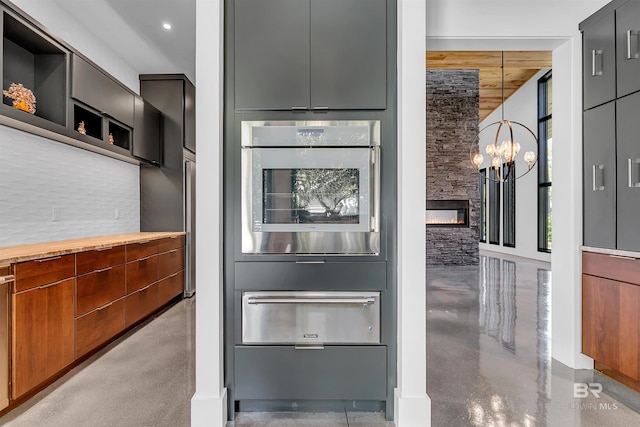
(502, 68)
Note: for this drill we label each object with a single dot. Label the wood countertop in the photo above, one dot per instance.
(28, 252)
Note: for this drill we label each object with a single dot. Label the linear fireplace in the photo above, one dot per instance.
(447, 213)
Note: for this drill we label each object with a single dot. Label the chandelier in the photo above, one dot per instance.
(502, 154)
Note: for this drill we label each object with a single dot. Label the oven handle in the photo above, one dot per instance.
(297, 300)
(375, 186)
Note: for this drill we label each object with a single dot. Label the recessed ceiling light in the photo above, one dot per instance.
(166, 26)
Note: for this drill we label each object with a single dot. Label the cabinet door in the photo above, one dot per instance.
(146, 132)
(628, 153)
(600, 320)
(599, 66)
(628, 47)
(189, 116)
(42, 334)
(97, 90)
(272, 40)
(599, 177)
(348, 54)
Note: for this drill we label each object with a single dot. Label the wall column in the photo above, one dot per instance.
(412, 405)
(209, 403)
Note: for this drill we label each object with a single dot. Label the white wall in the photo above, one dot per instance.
(521, 107)
(39, 175)
(66, 28)
(549, 24)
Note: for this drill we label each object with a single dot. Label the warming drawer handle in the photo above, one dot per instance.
(293, 300)
(7, 279)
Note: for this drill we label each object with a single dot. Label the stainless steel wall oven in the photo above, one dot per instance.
(310, 187)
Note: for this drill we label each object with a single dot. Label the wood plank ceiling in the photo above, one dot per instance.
(519, 67)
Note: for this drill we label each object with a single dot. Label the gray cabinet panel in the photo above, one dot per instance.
(337, 372)
(628, 153)
(289, 275)
(146, 134)
(189, 117)
(599, 66)
(628, 48)
(348, 54)
(271, 54)
(97, 90)
(599, 176)
(167, 94)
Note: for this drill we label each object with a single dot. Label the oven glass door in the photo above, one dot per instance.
(309, 189)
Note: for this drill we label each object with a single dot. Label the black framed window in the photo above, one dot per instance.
(494, 207)
(545, 154)
(509, 207)
(483, 205)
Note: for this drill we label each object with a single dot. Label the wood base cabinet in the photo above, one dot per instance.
(611, 314)
(43, 334)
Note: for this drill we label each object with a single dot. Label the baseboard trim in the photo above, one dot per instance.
(209, 411)
(412, 411)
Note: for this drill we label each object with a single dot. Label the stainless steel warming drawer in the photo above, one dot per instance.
(310, 318)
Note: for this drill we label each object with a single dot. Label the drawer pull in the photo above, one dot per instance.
(298, 300)
(105, 306)
(145, 288)
(50, 285)
(623, 257)
(10, 278)
(49, 259)
(104, 249)
(173, 251)
(598, 177)
(309, 347)
(173, 275)
(102, 270)
(597, 62)
(310, 262)
(633, 53)
(146, 258)
(144, 242)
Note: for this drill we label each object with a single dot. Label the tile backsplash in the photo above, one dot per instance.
(52, 191)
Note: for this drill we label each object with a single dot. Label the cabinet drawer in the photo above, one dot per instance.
(98, 326)
(141, 249)
(96, 289)
(39, 272)
(170, 262)
(338, 372)
(170, 243)
(98, 259)
(140, 304)
(141, 273)
(611, 267)
(170, 287)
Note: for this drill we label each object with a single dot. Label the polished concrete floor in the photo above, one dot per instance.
(488, 364)
(489, 357)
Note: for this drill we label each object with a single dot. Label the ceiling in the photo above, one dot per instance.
(519, 67)
(133, 30)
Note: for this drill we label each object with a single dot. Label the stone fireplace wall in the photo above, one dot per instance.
(452, 126)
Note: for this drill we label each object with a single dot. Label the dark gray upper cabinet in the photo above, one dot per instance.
(348, 54)
(628, 154)
(628, 48)
(94, 88)
(599, 176)
(599, 65)
(146, 135)
(310, 54)
(31, 58)
(272, 64)
(174, 95)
